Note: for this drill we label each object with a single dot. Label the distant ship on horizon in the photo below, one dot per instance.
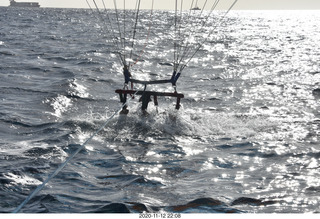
(13, 3)
(196, 8)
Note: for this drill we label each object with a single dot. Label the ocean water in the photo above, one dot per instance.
(246, 138)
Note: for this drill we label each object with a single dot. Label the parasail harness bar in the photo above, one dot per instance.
(146, 95)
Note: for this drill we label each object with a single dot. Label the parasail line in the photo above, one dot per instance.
(118, 22)
(186, 50)
(115, 42)
(147, 39)
(135, 28)
(206, 39)
(101, 28)
(124, 28)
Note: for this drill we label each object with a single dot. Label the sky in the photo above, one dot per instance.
(169, 4)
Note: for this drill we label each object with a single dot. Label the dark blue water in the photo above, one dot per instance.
(245, 140)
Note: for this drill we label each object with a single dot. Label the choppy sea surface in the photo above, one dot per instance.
(246, 138)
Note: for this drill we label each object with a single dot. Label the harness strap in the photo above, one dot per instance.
(126, 74)
(174, 78)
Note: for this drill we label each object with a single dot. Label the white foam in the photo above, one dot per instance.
(78, 89)
(60, 105)
(24, 180)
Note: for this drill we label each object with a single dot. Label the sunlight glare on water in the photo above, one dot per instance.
(245, 139)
